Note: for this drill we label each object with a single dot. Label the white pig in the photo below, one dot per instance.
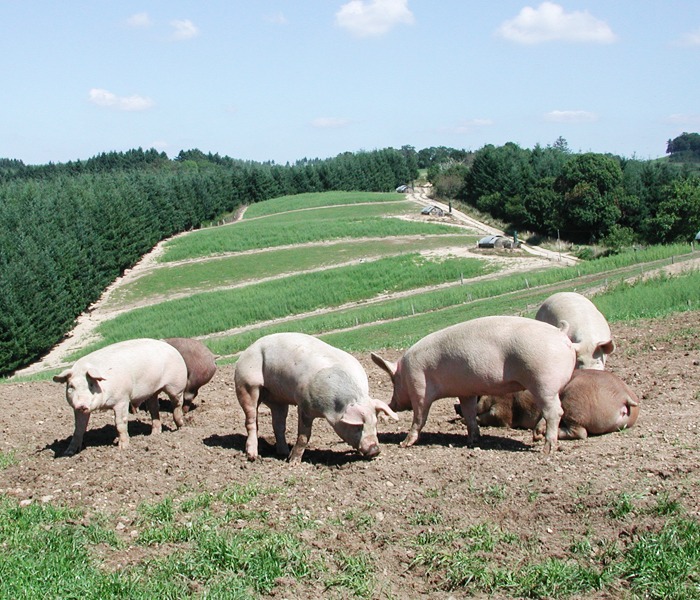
(587, 327)
(490, 355)
(121, 374)
(322, 381)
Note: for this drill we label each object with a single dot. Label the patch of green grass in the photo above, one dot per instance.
(655, 297)
(47, 551)
(426, 517)
(622, 505)
(234, 270)
(317, 200)
(221, 310)
(355, 572)
(322, 224)
(7, 459)
(665, 565)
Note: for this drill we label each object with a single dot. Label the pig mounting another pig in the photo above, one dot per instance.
(489, 355)
(585, 325)
(594, 402)
(322, 381)
(201, 366)
(121, 374)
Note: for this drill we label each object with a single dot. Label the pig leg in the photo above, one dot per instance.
(248, 399)
(81, 423)
(176, 399)
(420, 416)
(552, 413)
(154, 408)
(121, 420)
(303, 436)
(279, 426)
(572, 432)
(467, 405)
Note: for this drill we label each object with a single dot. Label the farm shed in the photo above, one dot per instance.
(497, 241)
(436, 211)
(697, 236)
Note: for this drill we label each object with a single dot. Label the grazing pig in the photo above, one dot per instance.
(121, 374)
(594, 402)
(322, 381)
(201, 366)
(490, 355)
(587, 327)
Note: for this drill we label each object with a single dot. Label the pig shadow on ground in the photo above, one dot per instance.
(100, 437)
(266, 449)
(458, 440)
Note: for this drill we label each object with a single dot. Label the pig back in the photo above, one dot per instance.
(287, 363)
(493, 355)
(137, 368)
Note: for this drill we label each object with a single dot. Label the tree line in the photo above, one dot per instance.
(68, 230)
(585, 198)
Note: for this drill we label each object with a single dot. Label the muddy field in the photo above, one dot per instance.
(548, 501)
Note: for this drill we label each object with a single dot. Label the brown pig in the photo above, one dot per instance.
(322, 381)
(130, 372)
(489, 355)
(201, 366)
(594, 402)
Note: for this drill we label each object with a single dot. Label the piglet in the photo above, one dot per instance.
(130, 372)
(489, 355)
(201, 366)
(322, 381)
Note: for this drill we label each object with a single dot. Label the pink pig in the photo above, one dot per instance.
(130, 372)
(489, 355)
(322, 381)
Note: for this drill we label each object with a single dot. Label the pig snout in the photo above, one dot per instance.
(370, 450)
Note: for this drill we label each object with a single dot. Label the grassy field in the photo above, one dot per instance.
(302, 227)
(240, 268)
(48, 552)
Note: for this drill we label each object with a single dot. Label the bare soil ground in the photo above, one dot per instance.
(548, 501)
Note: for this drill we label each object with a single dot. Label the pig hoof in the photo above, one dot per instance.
(251, 457)
(371, 452)
(70, 451)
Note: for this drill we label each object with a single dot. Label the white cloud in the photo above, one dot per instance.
(690, 39)
(549, 23)
(276, 18)
(139, 20)
(373, 17)
(184, 30)
(571, 116)
(330, 122)
(108, 99)
(469, 125)
(683, 119)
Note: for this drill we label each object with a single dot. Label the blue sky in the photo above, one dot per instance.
(284, 80)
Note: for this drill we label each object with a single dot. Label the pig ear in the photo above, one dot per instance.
(380, 406)
(63, 377)
(355, 414)
(387, 365)
(94, 373)
(607, 347)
